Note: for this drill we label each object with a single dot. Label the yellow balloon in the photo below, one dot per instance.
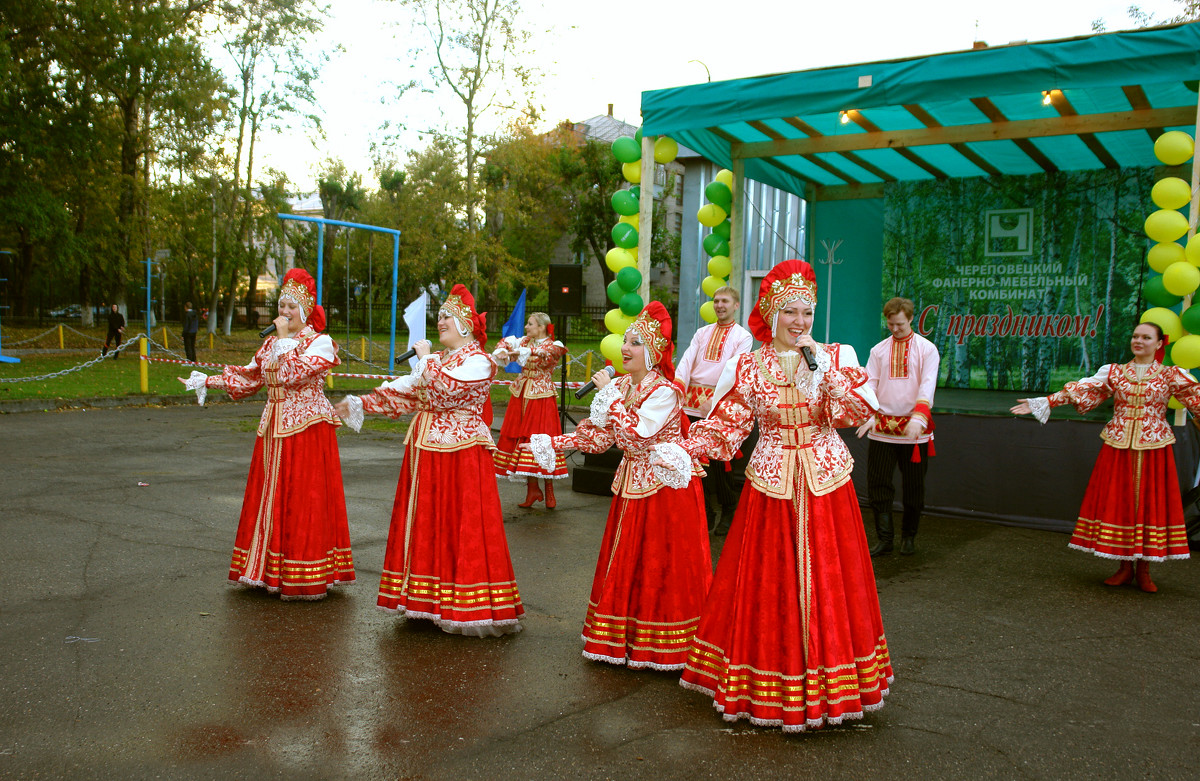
(1192, 251)
(618, 258)
(707, 313)
(1166, 225)
(1173, 403)
(1171, 193)
(629, 219)
(665, 149)
(1162, 256)
(721, 266)
(1181, 278)
(710, 285)
(725, 177)
(1186, 352)
(610, 347)
(1165, 319)
(1174, 147)
(632, 172)
(711, 215)
(616, 322)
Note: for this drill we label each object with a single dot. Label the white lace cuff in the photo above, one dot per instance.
(283, 345)
(523, 354)
(543, 452)
(1040, 407)
(821, 356)
(355, 417)
(195, 382)
(677, 471)
(602, 401)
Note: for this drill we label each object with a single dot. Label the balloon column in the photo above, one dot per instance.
(715, 215)
(622, 259)
(1177, 266)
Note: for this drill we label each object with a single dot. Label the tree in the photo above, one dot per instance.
(475, 44)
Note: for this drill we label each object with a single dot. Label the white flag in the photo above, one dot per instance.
(414, 319)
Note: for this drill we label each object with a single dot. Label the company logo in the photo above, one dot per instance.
(1008, 232)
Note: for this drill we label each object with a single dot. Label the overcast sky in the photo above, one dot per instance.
(593, 54)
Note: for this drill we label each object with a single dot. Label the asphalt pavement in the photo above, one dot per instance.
(124, 654)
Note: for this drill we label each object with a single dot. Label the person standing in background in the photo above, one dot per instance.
(902, 371)
(711, 348)
(191, 326)
(116, 327)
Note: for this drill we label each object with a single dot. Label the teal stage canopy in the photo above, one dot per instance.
(1025, 108)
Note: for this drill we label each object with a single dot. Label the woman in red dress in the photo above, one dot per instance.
(292, 537)
(1131, 510)
(532, 409)
(447, 557)
(654, 566)
(791, 634)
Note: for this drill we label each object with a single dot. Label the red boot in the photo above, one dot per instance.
(550, 503)
(532, 494)
(1123, 575)
(1143, 577)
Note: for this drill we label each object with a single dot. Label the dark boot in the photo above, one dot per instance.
(550, 502)
(883, 533)
(1143, 577)
(906, 545)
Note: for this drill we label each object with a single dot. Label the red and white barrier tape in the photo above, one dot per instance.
(571, 385)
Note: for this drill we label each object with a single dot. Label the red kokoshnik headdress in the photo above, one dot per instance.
(791, 280)
(653, 325)
(460, 304)
(301, 289)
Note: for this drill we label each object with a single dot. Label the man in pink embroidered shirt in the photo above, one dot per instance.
(903, 372)
(711, 348)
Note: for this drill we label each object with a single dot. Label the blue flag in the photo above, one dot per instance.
(515, 326)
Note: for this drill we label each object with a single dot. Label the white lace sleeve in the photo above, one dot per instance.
(1040, 407)
(677, 472)
(523, 354)
(821, 356)
(355, 418)
(602, 401)
(195, 382)
(543, 453)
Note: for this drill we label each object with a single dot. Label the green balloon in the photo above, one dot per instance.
(625, 203)
(637, 191)
(625, 235)
(715, 245)
(614, 292)
(1154, 292)
(627, 150)
(1167, 356)
(722, 229)
(1191, 319)
(631, 304)
(720, 194)
(630, 279)
(637, 136)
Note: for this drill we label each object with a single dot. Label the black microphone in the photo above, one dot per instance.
(264, 333)
(809, 359)
(591, 386)
(410, 353)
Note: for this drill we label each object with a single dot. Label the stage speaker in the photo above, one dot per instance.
(566, 290)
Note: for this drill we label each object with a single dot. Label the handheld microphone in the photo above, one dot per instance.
(264, 333)
(591, 386)
(411, 352)
(809, 359)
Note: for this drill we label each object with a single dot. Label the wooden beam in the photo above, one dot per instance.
(857, 118)
(847, 192)
(1024, 144)
(926, 119)
(1139, 102)
(811, 131)
(1064, 108)
(775, 135)
(998, 130)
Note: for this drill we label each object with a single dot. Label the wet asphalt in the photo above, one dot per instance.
(124, 654)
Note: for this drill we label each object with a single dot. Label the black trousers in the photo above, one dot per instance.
(882, 460)
(718, 480)
(189, 346)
